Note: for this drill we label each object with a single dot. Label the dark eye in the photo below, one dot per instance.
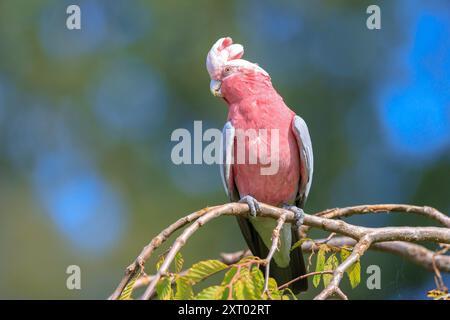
(227, 70)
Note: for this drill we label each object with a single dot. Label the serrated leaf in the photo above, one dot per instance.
(128, 290)
(249, 287)
(331, 264)
(211, 293)
(345, 252)
(273, 289)
(354, 271)
(354, 274)
(258, 279)
(164, 289)
(299, 243)
(238, 290)
(160, 261)
(320, 263)
(184, 289)
(179, 261)
(204, 269)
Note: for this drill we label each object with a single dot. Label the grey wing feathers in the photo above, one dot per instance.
(228, 134)
(306, 157)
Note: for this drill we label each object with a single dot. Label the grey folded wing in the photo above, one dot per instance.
(226, 172)
(304, 144)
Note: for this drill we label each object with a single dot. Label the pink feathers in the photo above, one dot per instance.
(255, 104)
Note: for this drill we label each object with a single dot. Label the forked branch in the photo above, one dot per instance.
(397, 240)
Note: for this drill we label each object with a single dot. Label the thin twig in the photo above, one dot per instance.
(287, 284)
(275, 241)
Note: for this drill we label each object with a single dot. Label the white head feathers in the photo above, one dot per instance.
(224, 53)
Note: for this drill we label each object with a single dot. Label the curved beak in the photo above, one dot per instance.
(214, 86)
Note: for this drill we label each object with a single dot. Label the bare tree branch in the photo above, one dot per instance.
(287, 284)
(275, 242)
(411, 251)
(391, 239)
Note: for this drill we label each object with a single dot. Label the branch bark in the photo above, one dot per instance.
(396, 240)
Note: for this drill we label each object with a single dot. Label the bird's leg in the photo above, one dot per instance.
(252, 204)
(298, 212)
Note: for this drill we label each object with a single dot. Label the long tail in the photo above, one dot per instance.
(296, 266)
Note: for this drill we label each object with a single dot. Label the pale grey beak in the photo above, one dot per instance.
(214, 86)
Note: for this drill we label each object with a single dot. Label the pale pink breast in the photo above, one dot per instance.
(280, 187)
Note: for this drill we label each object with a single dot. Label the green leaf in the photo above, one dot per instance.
(273, 289)
(291, 293)
(238, 290)
(229, 275)
(320, 263)
(353, 272)
(184, 289)
(299, 243)
(258, 280)
(250, 289)
(164, 289)
(160, 261)
(211, 293)
(204, 269)
(179, 261)
(128, 290)
(331, 264)
(226, 294)
(345, 252)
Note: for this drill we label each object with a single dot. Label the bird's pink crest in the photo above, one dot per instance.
(221, 52)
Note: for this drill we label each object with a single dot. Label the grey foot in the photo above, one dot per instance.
(299, 214)
(252, 204)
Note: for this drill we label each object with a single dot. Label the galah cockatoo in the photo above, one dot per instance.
(253, 105)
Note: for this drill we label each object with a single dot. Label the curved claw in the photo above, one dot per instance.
(253, 204)
(299, 214)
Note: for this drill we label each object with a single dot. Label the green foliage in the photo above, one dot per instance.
(183, 289)
(128, 291)
(211, 293)
(299, 243)
(354, 272)
(243, 280)
(179, 261)
(204, 269)
(330, 263)
(160, 262)
(320, 264)
(164, 288)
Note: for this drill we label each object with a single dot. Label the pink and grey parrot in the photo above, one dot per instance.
(254, 104)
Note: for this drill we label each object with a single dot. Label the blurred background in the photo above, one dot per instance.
(86, 117)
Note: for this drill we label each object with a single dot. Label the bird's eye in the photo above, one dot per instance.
(227, 70)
